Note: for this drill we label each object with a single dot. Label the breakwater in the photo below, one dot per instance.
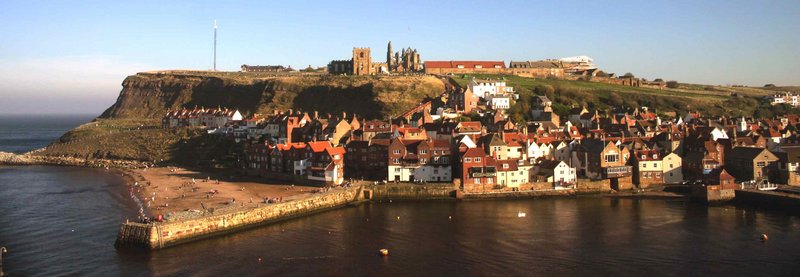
(32, 159)
(158, 235)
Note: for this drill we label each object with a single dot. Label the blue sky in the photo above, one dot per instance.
(71, 57)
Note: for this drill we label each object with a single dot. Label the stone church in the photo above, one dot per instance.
(404, 61)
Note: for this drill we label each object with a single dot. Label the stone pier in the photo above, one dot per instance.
(159, 235)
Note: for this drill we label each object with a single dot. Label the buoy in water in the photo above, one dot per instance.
(764, 237)
(384, 252)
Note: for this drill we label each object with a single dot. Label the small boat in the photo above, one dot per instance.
(384, 252)
(520, 214)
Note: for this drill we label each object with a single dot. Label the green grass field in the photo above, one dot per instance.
(714, 100)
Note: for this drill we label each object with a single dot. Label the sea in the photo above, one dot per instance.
(62, 221)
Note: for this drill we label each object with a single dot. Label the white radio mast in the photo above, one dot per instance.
(215, 45)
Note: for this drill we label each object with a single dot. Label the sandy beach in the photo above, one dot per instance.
(174, 189)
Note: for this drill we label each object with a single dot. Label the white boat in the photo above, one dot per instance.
(766, 185)
(520, 214)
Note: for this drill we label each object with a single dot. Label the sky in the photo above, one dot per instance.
(72, 56)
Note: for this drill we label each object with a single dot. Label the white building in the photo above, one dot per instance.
(784, 98)
(484, 88)
(535, 150)
(499, 101)
(671, 166)
(557, 172)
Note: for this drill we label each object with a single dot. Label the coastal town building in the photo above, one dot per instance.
(200, 117)
(265, 68)
(464, 67)
(788, 98)
(484, 88)
(559, 173)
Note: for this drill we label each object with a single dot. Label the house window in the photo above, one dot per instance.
(489, 181)
(478, 66)
(644, 165)
(396, 151)
(422, 161)
(477, 160)
(612, 158)
(460, 66)
(477, 180)
(423, 151)
(397, 161)
(397, 169)
(761, 164)
(505, 165)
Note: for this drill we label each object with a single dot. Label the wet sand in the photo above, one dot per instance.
(173, 189)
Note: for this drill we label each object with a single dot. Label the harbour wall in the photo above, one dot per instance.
(769, 199)
(158, 235)
(408, 191)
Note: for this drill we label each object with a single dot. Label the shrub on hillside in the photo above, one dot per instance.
(672, 84)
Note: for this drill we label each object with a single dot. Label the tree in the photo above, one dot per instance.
(658, 80)
(672, 84)
(769, 85)
(628, 75)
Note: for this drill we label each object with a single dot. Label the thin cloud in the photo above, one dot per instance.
(63, 84)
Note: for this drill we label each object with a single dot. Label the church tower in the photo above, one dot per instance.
(362, 61)
(389, 57)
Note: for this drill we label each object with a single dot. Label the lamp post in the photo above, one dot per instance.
(2, 250)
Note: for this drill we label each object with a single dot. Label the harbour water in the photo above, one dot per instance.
(63, 221)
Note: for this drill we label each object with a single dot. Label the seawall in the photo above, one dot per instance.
(408, 191)
(769, 199)
(159, 235)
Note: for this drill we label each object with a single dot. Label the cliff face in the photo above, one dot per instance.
(150, 95)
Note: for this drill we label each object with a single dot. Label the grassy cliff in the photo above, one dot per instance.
(131, 128)
(149, 95)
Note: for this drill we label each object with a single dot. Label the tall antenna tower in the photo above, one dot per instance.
(215, 45)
